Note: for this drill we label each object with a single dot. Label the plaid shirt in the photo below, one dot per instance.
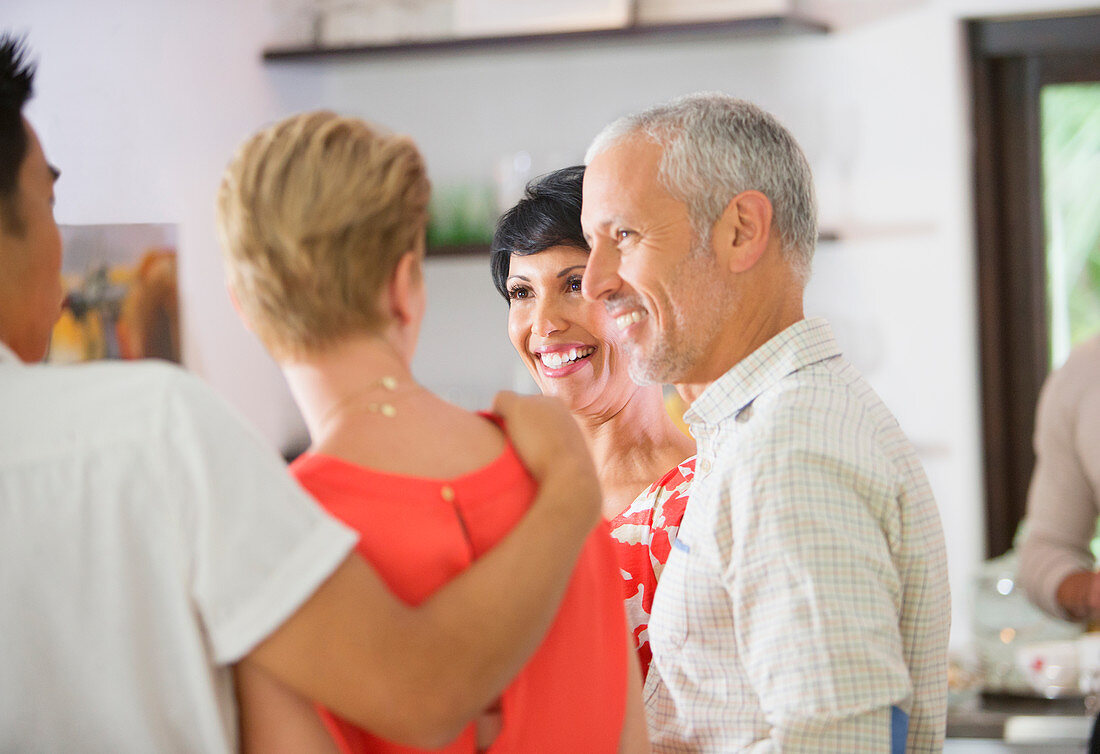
(806, 595)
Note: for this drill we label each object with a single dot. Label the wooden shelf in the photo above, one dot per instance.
(854, 232)
(758, 26)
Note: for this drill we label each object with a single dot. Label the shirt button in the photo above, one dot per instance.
(447, 493)
(744, 414)
(704, 465)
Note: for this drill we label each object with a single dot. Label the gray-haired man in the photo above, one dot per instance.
(805, 606)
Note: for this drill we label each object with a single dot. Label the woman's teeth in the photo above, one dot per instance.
(556, 359)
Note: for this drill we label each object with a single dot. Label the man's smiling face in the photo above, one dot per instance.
(659, 282)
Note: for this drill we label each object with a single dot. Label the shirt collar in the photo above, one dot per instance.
(7, 355)
(803, 343)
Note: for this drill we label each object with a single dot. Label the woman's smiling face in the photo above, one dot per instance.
(566, 342)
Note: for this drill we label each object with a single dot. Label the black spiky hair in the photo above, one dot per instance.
(16, 72)
(16, 82)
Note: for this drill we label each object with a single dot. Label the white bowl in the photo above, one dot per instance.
(1050, 667)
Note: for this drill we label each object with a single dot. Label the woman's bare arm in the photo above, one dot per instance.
(276, 720)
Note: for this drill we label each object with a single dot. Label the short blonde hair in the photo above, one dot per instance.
(314, 214)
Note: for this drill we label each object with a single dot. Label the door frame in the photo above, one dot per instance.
(1011, 60)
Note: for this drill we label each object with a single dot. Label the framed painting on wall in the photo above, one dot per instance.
(121, 294)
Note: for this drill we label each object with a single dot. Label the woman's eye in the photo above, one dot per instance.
(574, 284)
(518, 292)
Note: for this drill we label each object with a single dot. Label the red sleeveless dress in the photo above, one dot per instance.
(420, 533)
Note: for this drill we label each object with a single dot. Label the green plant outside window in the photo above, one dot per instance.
(1071, 206)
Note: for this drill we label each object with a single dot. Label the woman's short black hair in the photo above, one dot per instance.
(548, 215)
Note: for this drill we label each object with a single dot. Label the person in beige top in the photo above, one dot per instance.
(1056, 565)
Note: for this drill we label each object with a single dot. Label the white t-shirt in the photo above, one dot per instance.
(148, 539)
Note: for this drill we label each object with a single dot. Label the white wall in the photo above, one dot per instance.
(141, 103)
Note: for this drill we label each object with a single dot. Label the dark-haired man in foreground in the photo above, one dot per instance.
(149, 542)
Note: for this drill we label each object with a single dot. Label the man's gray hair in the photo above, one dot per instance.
(715, 147)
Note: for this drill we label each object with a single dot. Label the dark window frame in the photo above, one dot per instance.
(1011, 60)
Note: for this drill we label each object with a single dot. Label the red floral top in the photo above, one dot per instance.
(643, 535)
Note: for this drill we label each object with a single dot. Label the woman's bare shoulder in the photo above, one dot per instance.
(461, 440)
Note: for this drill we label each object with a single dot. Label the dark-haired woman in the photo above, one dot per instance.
(569, 346)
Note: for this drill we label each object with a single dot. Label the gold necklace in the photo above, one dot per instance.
(383, 407)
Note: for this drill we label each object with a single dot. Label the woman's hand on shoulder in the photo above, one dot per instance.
(551, 446)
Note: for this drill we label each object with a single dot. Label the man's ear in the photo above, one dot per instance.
(743, 230)
(404, 287)
(237, 306)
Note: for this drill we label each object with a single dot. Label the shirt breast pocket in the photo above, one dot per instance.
(670, 619)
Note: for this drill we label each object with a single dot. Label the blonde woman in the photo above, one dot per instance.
(323, 221)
